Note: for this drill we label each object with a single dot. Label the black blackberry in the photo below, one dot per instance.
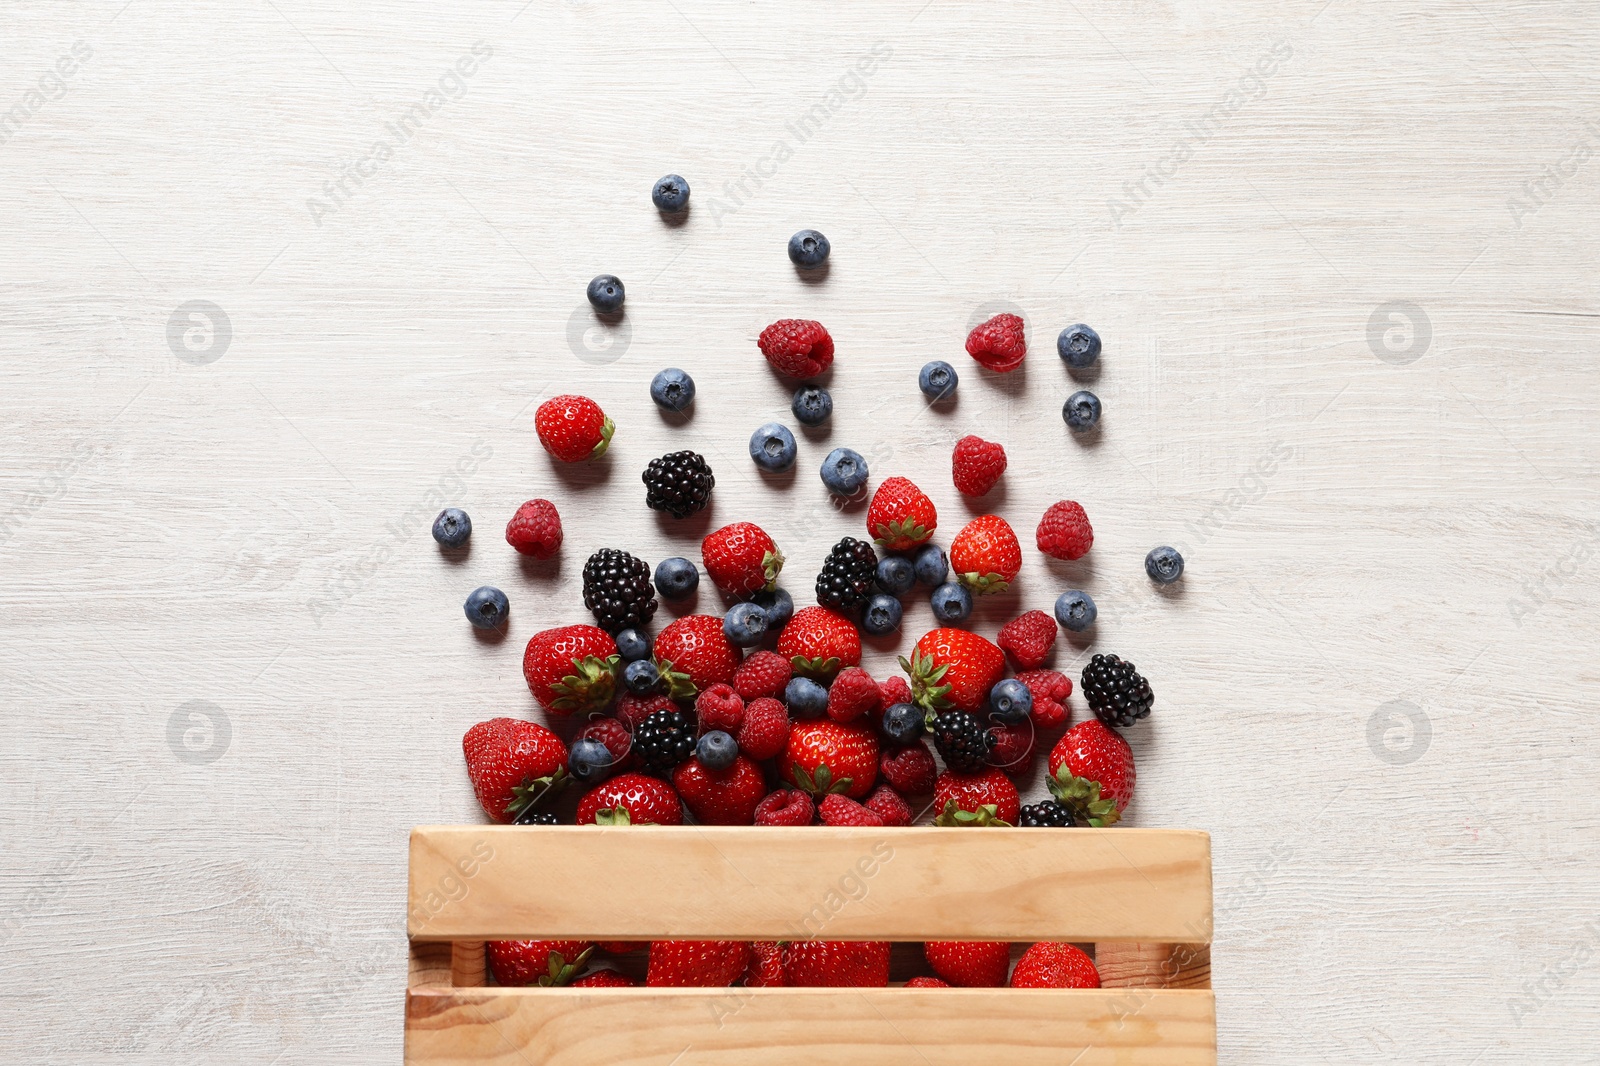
(618, 590)
(664, 739)
(1116, 693)
(962, 741)
(847, 576)
(679, 484)
(1047, 813)
(529, 816)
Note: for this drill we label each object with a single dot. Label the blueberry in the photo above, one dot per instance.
(808, 248)
(641, 677)
(672, 389)
(744, 625)
(951, 602)
(1081, 411)
(1164, 565)
(811, 405)
(806, 698)
(670, 194)
(716, 750)
(772, 447)
(779, 606)
(896, 575)
(633, 645)
(487, 607)
(931, 565)
(1010, 701)
(844, 472)
(452, 527)
(1075, 610)
(589, 761)
(605, 293)
(902, 723)
(1078, 346)
(676, 578)
(881, 615)
(938, 380)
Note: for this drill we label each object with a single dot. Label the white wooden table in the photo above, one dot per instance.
(1343, 259)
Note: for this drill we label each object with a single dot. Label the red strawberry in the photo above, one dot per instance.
(953, 668)
(985, 798)
(631, 709)
(797, 347)
(762, 674)
(976, 464)
(999, 344)
(970, 963)
(1028, 638)
(889, 805)
(535, 529)
(513, 765)
(693, 654)
(720, 797)
(1064, 531)
(825, 756)
(817, 642)
(853, 695)
(572, 669)
(765, 729)
(623, 947)
(549, 963)
(911, 769)
(785, 806)
(1047, 965)
(837, 963)
(1013, 746)
(766, 965)
(573, 428)
(719, 707)
(894, 690)
(1050, 689)
(617, 738)
(985, 555)
(900, 516)
(1091, 771)
(926, 982)
(842, 810)
(696, 963)
(630, 799)
(607, 978)
(741, 559)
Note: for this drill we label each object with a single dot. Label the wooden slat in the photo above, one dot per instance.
(841, 1027)
(743, 883)
(1130, 964)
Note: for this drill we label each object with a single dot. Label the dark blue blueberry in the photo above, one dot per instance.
(902, 723)
(633, 645)
(744, 625)
(670, 194)
(452, 527)
(881, 615)
(1078, 346)
(844, 472)
(811, 405)
(1081, 411)
(951, 602)
(1164, 565)
(931, 565)
(938, 380)
(1010, 701)
(716, 750)
(896, 575)
(808, 248)
(779, 606)
(1075, 610)
(772, 447)
(487, 607)
(806, 698)
(606, 293)
(672, 389)
(676, 578)
(589, 761)
(641, 677)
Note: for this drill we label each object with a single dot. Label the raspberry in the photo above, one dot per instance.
(889, 805)
(894, 690)
(1064, 531)
(631, 709)
(1050, 689)
(785, 806)
(837, 809)
(721, 708)
(614, 735)
(1028, 638)
(797, 347)
(852, 695)
(763, 674)
(976, 464)
(999, 343)
(910, 769)
(765, 729)
(535, 529)
(1013, 748)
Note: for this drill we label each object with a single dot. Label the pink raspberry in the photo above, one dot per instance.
(797, 347)
(614, 735)
(786, 806)
(889, 805)
(852, 695)
(535, 529)
(1064, 531)
(999, 343)
(765, 729)
(631, 709)
(1013, 749)
(895, 690)
(1050, 689)
(910, 769)
(837, 809)
(976, 464)
(1028, 638)
(763, 674)
(721, 708)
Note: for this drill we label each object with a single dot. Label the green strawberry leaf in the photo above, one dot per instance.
(1082, 795)
(562, 971)
(910, 528)
(986, 814)
(820, 668)
(983, 583)
(771, 566)
(679, 685)
(589, 687)
(534, 792)
(613, 816)
(926, 692)
(609, 427)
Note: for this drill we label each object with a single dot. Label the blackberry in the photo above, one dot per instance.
(962, 741)
(1047, 813)
(617, 590)
(1116, 693)
(664, 739)
(679, 483)
(847, 577)
(530, 816)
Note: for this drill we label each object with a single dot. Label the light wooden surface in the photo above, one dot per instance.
(231, 558)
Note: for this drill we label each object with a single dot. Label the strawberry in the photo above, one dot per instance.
(837, 963)
(1028, 638)
(607, 978)
(1064, 531)
(1091, 771)
(900, 516)
(911, 769)
(741, 559)
(617, 738)
(842, 810)
(513, 765)
(573, 428)
(622, 947)
(825, 756)
(696, 963)
(889, 805)
(630, 799)
(927, 982)
(999, 344)
(631, 709)
(1047, 965)
(692, 654)
(762, 674)
(535, 529)
(571, 669)
(797, 347)
(547, 963)
(765, 729)
(719, 707)
(976, 464)
(1013, 746)
(817, 642)
(953, 668)
(720, 797)
(970, 963)
(985, 555)
(785, 806)
(985, 798)
(1050, 689)
(766, 965)
(853, 695)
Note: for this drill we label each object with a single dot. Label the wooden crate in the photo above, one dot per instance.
(1140, 897)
